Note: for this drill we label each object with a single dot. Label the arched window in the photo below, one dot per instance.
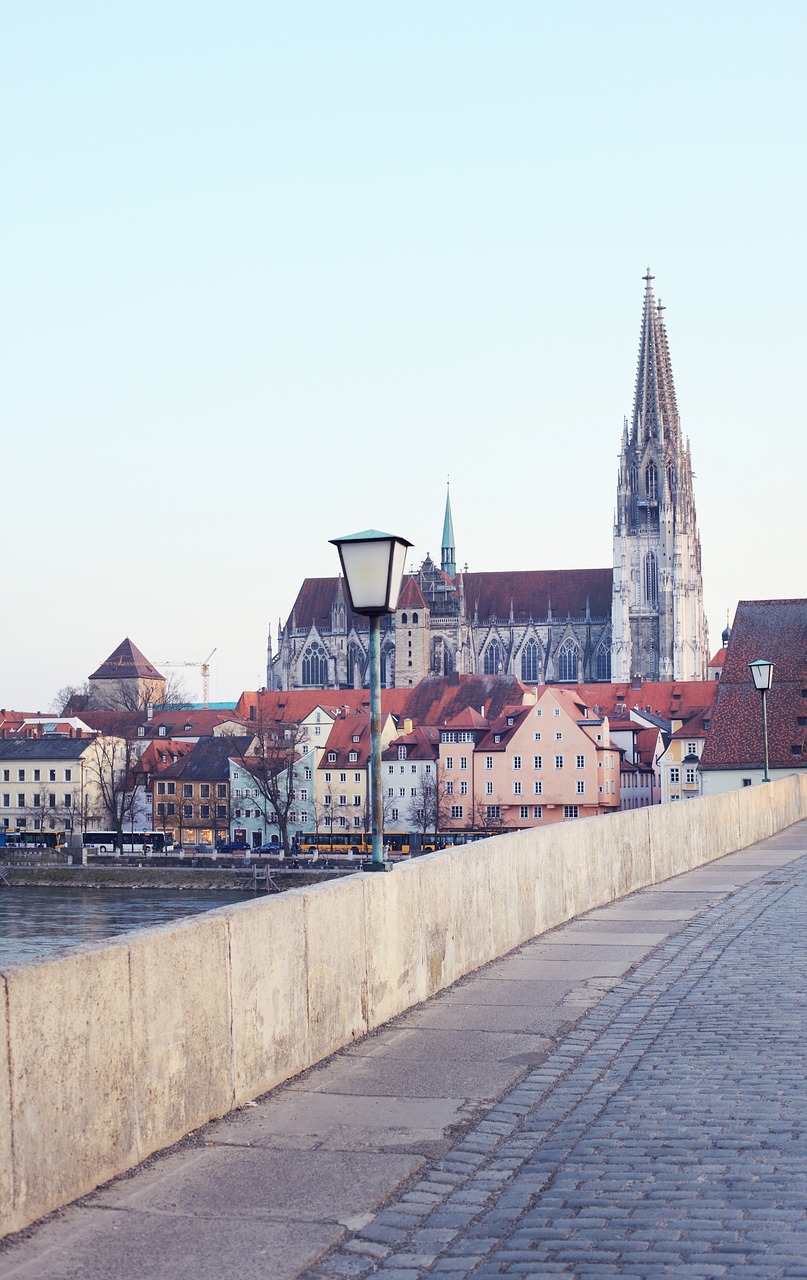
(414, 619)
(354, 666)
(670, 477)
(634, 479)
(567, 660)
(650, 578)
(493, 658)
(315, 666)
(403, 618)
(604, 662)
(529, 662)
(651, 482)
(388, 666)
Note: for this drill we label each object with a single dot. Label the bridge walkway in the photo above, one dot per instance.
(626, 1096)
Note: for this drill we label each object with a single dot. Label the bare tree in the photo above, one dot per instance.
(111, 764)
(272, 765)
(71, 699)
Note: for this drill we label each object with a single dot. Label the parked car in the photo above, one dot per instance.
(234, 846)
(272, 848)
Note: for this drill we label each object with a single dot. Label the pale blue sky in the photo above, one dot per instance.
(270, 272)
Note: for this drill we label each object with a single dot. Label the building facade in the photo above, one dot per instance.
(641, 618)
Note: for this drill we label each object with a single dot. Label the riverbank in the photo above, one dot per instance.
(198, 879)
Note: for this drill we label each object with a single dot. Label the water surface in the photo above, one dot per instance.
(37, 921)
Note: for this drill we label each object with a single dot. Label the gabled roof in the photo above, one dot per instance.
(421, 744)
(209, 760)
(468, 718)
(51, 748)
(127, 663)
(341, 745)
(411, 596)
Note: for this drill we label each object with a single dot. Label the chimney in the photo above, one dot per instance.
(150, 712)
(636, 682)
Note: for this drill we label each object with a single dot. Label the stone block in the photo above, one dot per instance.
(335, 964)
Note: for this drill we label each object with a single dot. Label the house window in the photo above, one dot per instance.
(326, 800)
(342, 799)
(558, 762)
(537, 811)
(690, 777)
(571, 811)
(402, 753)
(304, 793)
(556, 713)
(52, 800)
(21, 775)
(395, 815)
(488, 788)
(493, 811)
(537, 762)
(204, 811)
(171, 788)
(21, 800)
(6, 800)
(488, 762)
(38, 799)
(538, 787)
(524, 811)
(162, 731)
(187, 810)
(692, 748)
(516, 788)
(327, 777)
(581, 787)
(160, 788)
(463, 789)
(357, 777)
(675, 773)
(356, 802)
(456, 811)
(161, 809)
(581, 762)
(170, 810)
(449, 762)
(516, 762)
(37, 775)
(204, 790)
(343, 777)
(449, 788)
(559, 736)
(221, 790)
(463, 762)
(307, 774)
(221, 811)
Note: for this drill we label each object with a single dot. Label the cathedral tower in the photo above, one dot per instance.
(448, 557)
(658, 623)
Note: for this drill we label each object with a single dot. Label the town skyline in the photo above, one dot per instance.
(275, 282)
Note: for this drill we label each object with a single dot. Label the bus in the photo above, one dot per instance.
(25, 839)
(357, 842)
(133, 841)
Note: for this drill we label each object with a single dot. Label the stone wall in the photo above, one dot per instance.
(113, 1052)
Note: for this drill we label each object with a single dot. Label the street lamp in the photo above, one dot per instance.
(373, 565)
(762, 672)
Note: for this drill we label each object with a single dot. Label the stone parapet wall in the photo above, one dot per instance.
(110, 1053)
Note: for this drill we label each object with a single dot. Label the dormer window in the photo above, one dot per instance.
(402, 753)
(161, 732)
(497, 737)
(141, 731)
(353, 757)
(186, 729)
(331, 757)
(510, 720)
(357, 737)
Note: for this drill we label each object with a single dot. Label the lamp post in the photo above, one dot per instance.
(762, 672)
(373, 565)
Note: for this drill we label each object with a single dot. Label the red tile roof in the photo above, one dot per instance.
(341, 745)
(411, 596)
(775, 630)
(421, 744)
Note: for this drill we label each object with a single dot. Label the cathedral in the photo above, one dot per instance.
(641, 618)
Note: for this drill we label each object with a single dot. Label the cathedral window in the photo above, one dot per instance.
(651, 482)
(670, 476)
(387, 667)
(529, 662)
(315, 666)
(604, 662)
(650, 579)
(567, 660)
(414, 619)
(493, 658)
(354, 657)
(634, 479)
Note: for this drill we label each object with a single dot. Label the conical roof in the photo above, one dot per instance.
(127, 663)
(655, 410)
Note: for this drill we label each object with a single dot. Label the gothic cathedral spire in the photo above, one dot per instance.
(447, 558)
(657, 618)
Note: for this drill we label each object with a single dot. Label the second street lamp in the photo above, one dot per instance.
(373, 565)
(762, 672)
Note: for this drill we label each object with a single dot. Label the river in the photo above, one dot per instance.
(37, 921)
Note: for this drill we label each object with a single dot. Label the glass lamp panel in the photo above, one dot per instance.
(396, 572)
(762, 672)
(367, 571)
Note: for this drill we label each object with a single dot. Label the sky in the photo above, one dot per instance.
(270, 273)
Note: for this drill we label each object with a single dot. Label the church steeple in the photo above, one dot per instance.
(447, 558)
(658, 624)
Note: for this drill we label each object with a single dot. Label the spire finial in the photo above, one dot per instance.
(647, 278)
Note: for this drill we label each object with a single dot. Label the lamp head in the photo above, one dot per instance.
(373, 565)
(762, 673)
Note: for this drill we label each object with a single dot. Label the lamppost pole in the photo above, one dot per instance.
(762, 673)
(377, 799)
(373, 565)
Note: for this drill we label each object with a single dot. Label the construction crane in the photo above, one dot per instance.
(205, 669)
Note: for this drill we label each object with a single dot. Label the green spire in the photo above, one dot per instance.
(447, 561)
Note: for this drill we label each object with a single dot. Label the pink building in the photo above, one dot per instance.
(533, 765)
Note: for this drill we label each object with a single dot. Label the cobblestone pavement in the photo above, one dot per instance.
(666, 1135)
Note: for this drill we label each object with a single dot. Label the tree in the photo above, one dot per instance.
(430, 807)
(272, 763)
(111, 764)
